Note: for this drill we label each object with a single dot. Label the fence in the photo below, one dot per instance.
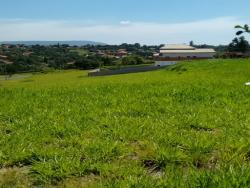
(123, 70)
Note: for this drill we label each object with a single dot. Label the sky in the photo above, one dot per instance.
(123, 21)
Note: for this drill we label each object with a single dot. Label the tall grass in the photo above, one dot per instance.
(185, 126)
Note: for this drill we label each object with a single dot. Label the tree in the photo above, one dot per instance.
(10, 69)
(243, 29)
(191, 43)
(239, 45)
(137, 45)
(132, 60)
(45, 60)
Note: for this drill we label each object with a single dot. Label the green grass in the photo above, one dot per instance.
(184, 126)
(81, 52)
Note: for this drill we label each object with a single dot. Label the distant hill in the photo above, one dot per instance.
(47, 43)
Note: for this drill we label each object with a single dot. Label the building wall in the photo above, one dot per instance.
(189, 55)
(164, 63)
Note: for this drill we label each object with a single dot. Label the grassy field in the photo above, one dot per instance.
(184, 126)
(80, 52)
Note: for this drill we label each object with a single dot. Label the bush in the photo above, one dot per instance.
(132, 60)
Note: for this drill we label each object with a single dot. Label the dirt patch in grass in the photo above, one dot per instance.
(153, 169)
(86, 181)
(151, 165)
(15, 177)
(201, 128)
(247, 157)
(206, 163)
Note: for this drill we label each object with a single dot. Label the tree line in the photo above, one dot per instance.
(35, 58)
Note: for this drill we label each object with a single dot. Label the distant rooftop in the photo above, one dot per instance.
(183, 48)
(203, 50)
(177, 47)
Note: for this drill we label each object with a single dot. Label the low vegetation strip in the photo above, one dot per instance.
(124, 70)
(183, 126)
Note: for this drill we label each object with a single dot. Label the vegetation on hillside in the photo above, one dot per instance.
(21, 58)
(184, 126)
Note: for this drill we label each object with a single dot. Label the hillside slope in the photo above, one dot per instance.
(185, 126)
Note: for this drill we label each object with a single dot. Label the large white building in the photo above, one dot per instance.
(175, 52)
(185, 51)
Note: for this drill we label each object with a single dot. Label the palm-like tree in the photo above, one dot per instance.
(243, 29)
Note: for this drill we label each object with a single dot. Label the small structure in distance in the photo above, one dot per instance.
(171, 53)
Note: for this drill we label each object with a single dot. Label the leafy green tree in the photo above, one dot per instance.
(107, 61)
(239, 45)
(132, 60)
(243, 29)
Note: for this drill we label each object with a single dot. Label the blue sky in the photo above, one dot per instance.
(117, 21)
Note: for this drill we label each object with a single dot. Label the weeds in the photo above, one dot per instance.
(154, 129)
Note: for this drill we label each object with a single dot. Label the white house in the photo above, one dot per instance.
(171, 53)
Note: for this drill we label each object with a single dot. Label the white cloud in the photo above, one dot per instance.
(127, 22)
(213, 31)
